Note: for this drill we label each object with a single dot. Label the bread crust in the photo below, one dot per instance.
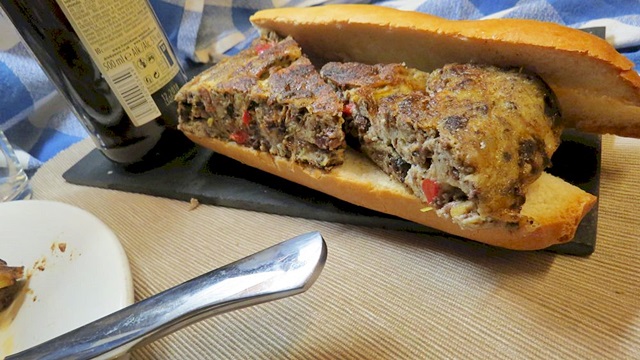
(556, 206)
(582, 68)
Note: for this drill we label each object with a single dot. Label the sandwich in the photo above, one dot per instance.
(449, 124)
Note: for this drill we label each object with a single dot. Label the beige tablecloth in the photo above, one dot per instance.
(386, 294)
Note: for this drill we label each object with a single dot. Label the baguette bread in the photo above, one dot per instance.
(555, 205)
(581, 69)
(597, 88)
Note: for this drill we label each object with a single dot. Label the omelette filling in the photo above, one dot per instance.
(466, 139)
(268, 97)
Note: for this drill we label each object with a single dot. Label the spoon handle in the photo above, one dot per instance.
(280, 271)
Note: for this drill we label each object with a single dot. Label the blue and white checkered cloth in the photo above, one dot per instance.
(39, 124)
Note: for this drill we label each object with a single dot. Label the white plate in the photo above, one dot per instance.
(86, 281)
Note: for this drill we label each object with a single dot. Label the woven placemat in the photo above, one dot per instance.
(385, 294)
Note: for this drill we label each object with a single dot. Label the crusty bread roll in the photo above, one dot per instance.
(556, 205)
(598, 89)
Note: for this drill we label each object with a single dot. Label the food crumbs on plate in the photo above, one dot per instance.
(425, 209)
(10, 284)
(58, 246)
(40, 264)
(193, 203)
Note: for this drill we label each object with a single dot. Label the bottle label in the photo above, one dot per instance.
(129, 47)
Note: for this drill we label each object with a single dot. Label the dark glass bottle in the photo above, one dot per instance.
(119, 82)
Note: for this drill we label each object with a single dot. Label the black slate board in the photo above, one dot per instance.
(216, 180)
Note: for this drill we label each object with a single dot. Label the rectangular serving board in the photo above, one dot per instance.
(214, 179)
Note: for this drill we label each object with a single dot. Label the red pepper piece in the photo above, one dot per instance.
(239, 137)
(431, 189)
(262, 47)
(348, 109)
(246, 117)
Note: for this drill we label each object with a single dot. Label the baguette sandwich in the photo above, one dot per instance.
(449, 124)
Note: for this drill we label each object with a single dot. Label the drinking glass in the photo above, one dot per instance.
(14, 183)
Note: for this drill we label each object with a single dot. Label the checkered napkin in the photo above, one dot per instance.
(39, 124)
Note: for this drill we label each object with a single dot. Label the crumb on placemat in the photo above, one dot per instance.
(193, 203)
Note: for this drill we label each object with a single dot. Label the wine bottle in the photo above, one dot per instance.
(112, 62)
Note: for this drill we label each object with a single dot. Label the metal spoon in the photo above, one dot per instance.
(282, 270)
